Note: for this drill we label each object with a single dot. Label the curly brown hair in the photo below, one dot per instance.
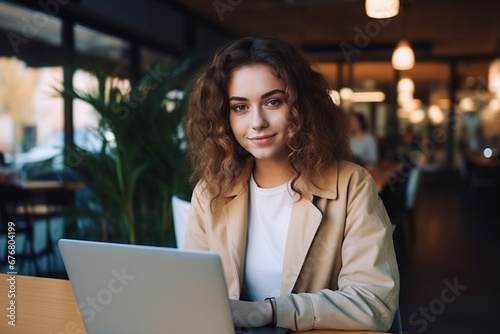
(317, 134)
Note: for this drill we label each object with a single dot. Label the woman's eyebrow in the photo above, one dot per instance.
(263, 96)
(237, 98)
(272, 92)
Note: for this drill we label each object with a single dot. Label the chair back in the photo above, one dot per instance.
(10, 194)
(180, 209)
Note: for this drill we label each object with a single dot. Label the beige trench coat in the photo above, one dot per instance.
(339, 270)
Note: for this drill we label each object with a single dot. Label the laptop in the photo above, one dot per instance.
(122, 288)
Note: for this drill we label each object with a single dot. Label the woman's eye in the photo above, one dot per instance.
(273, 102)
(239, 107)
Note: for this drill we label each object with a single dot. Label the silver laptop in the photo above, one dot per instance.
(122, 288)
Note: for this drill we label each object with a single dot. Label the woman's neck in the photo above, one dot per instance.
(270, 174)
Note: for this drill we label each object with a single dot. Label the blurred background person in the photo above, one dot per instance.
(363, 144)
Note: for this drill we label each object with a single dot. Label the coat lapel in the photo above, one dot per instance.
(236, 212)
(304, 222)
(235, 221)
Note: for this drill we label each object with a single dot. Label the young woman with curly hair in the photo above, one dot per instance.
(304, 239)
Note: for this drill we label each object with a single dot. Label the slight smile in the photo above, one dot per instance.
(262, 140)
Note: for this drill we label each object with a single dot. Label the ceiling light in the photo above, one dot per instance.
(374, 96)
(436, 115)
(468, 104)
(417, 116)
(406, 85)
(403, 57)
(346, 93)
(382, 9)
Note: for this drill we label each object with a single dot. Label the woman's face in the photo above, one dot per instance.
(354, 124)
(258, 112)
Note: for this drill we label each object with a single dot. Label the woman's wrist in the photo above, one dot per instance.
(272, 303)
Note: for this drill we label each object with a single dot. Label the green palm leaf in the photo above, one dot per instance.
(134, 175)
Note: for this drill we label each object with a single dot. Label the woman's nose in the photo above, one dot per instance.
(258, 119)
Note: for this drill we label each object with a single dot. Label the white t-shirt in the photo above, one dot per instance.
(268, 219)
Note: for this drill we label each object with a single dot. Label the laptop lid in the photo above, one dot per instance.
(123, 288)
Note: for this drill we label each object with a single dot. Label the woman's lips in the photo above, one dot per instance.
(262, 140)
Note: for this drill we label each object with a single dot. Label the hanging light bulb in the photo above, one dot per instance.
(406, 85)
(403, 57)
(436, 114)
(346, 93)
(382, 9)
(417, 116)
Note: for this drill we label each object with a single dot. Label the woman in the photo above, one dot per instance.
(304, 240)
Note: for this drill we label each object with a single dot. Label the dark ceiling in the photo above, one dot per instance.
(339, 31)
(335, 34)
(443, 28)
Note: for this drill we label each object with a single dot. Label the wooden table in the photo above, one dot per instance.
(48, 306)
(42, 306)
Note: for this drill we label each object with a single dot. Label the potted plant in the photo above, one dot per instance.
(141, 162)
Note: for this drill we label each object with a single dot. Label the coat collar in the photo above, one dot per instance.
(325, 186)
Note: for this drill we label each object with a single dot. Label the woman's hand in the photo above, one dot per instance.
(251, 314)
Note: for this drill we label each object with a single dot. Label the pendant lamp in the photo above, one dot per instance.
(406, 85)
(381, 9)
(403, 57)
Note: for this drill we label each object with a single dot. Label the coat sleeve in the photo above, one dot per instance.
(196, 237)
(365, 295)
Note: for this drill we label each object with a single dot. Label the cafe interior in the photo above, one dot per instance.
(424, 76)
